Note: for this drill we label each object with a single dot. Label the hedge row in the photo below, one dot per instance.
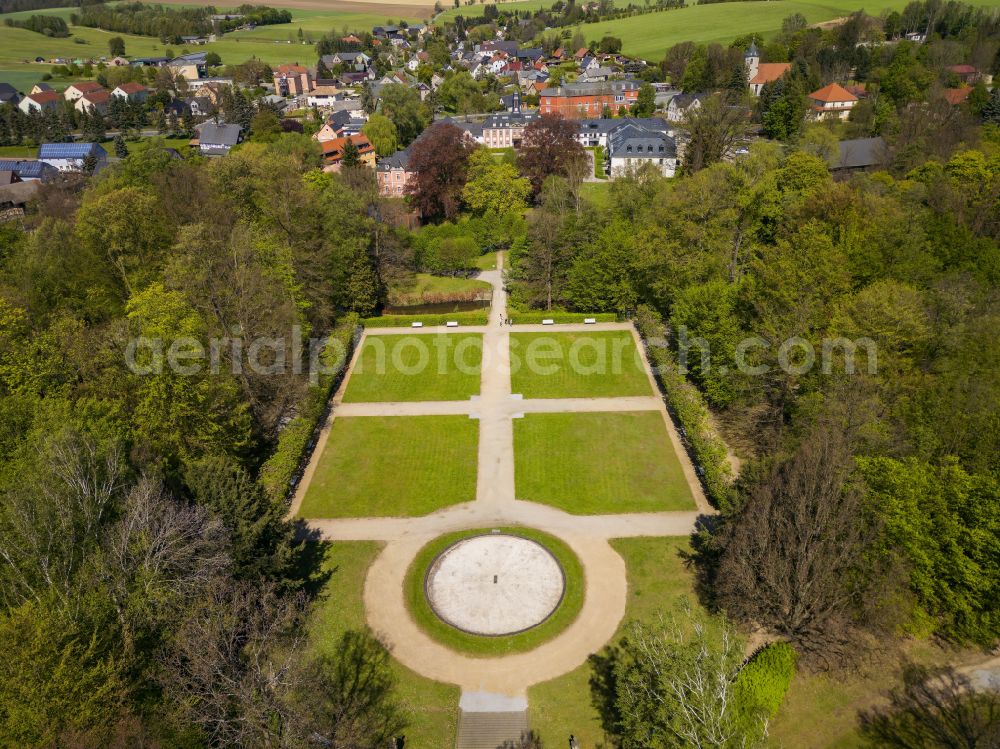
(762, 683)
(475, 317)
(688, 407)
(281, 472)
(534, 318)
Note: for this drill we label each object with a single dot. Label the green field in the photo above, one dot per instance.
(418, 367)
(598, 364)
(599, 463)
(432, 706)
(394, 466)
(650, 34)
(427, 288)
(272, 44)
(657, 582)
(562, 617)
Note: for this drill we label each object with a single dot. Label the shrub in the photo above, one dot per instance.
(280, 473)
(761, 686)
(535, 317)
(475, 317)
(687, 405)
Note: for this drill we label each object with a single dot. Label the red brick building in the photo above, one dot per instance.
(588, 100)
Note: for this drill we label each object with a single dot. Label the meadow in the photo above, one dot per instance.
(650, 35)
(599, 463)
(394, 466)
(416, 368)
(598, 364)
(272, 44)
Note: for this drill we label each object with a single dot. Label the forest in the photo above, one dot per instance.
(170, 24)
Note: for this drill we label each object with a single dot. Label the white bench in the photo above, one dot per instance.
(416, 325)
(589, 320)
(548, 322)
(451, 324)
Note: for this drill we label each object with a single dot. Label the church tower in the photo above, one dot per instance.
(752, 59)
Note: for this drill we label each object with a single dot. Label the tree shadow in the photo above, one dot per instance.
(604, 688)
(309, 561)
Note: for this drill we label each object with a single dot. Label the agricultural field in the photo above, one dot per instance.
(416, 368)
(595, 364)
(394, 466)
(273, 44)
(649, 35)
(599, 463)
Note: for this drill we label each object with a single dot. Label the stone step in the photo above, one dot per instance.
(479, 730)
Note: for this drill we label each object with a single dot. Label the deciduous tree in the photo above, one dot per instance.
(439, 161)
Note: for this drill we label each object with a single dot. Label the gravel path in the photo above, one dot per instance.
(496, 505)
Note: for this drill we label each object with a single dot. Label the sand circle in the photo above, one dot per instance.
(497, 584)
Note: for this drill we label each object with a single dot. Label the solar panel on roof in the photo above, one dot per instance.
(66, 150)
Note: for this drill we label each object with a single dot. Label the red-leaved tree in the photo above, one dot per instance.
(439, 159)
(549, 146)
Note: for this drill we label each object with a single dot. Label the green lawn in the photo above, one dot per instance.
(394, 466)
(463, 642)
(487, 261)
(429, 289)
(599, 463)
(432, 706)
(419, 367)
(598, 193)
(577, 365)
(657, 582)
(18, 152)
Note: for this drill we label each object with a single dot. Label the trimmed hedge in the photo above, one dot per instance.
(762, 683)
(687, 405)
(534, 317)
(475, 317)
(280, 473)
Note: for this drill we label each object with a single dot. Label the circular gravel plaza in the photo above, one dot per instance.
(495, 584)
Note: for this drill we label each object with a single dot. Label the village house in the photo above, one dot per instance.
(8, 94)
(71, 157)
(588, 99)
(95, 101)
(683, 105)
(218, 139)
(333, 127)
(760, 73)
(356, 61)
(292, 80)
(39, 88)
(966, 74)
(190, 67)
(29, 170)
(832, 102)
(956, 96)
(393, 174)
(333, 152)
(45, 101)
(132, 92)
(322, 96)
(77, 90)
